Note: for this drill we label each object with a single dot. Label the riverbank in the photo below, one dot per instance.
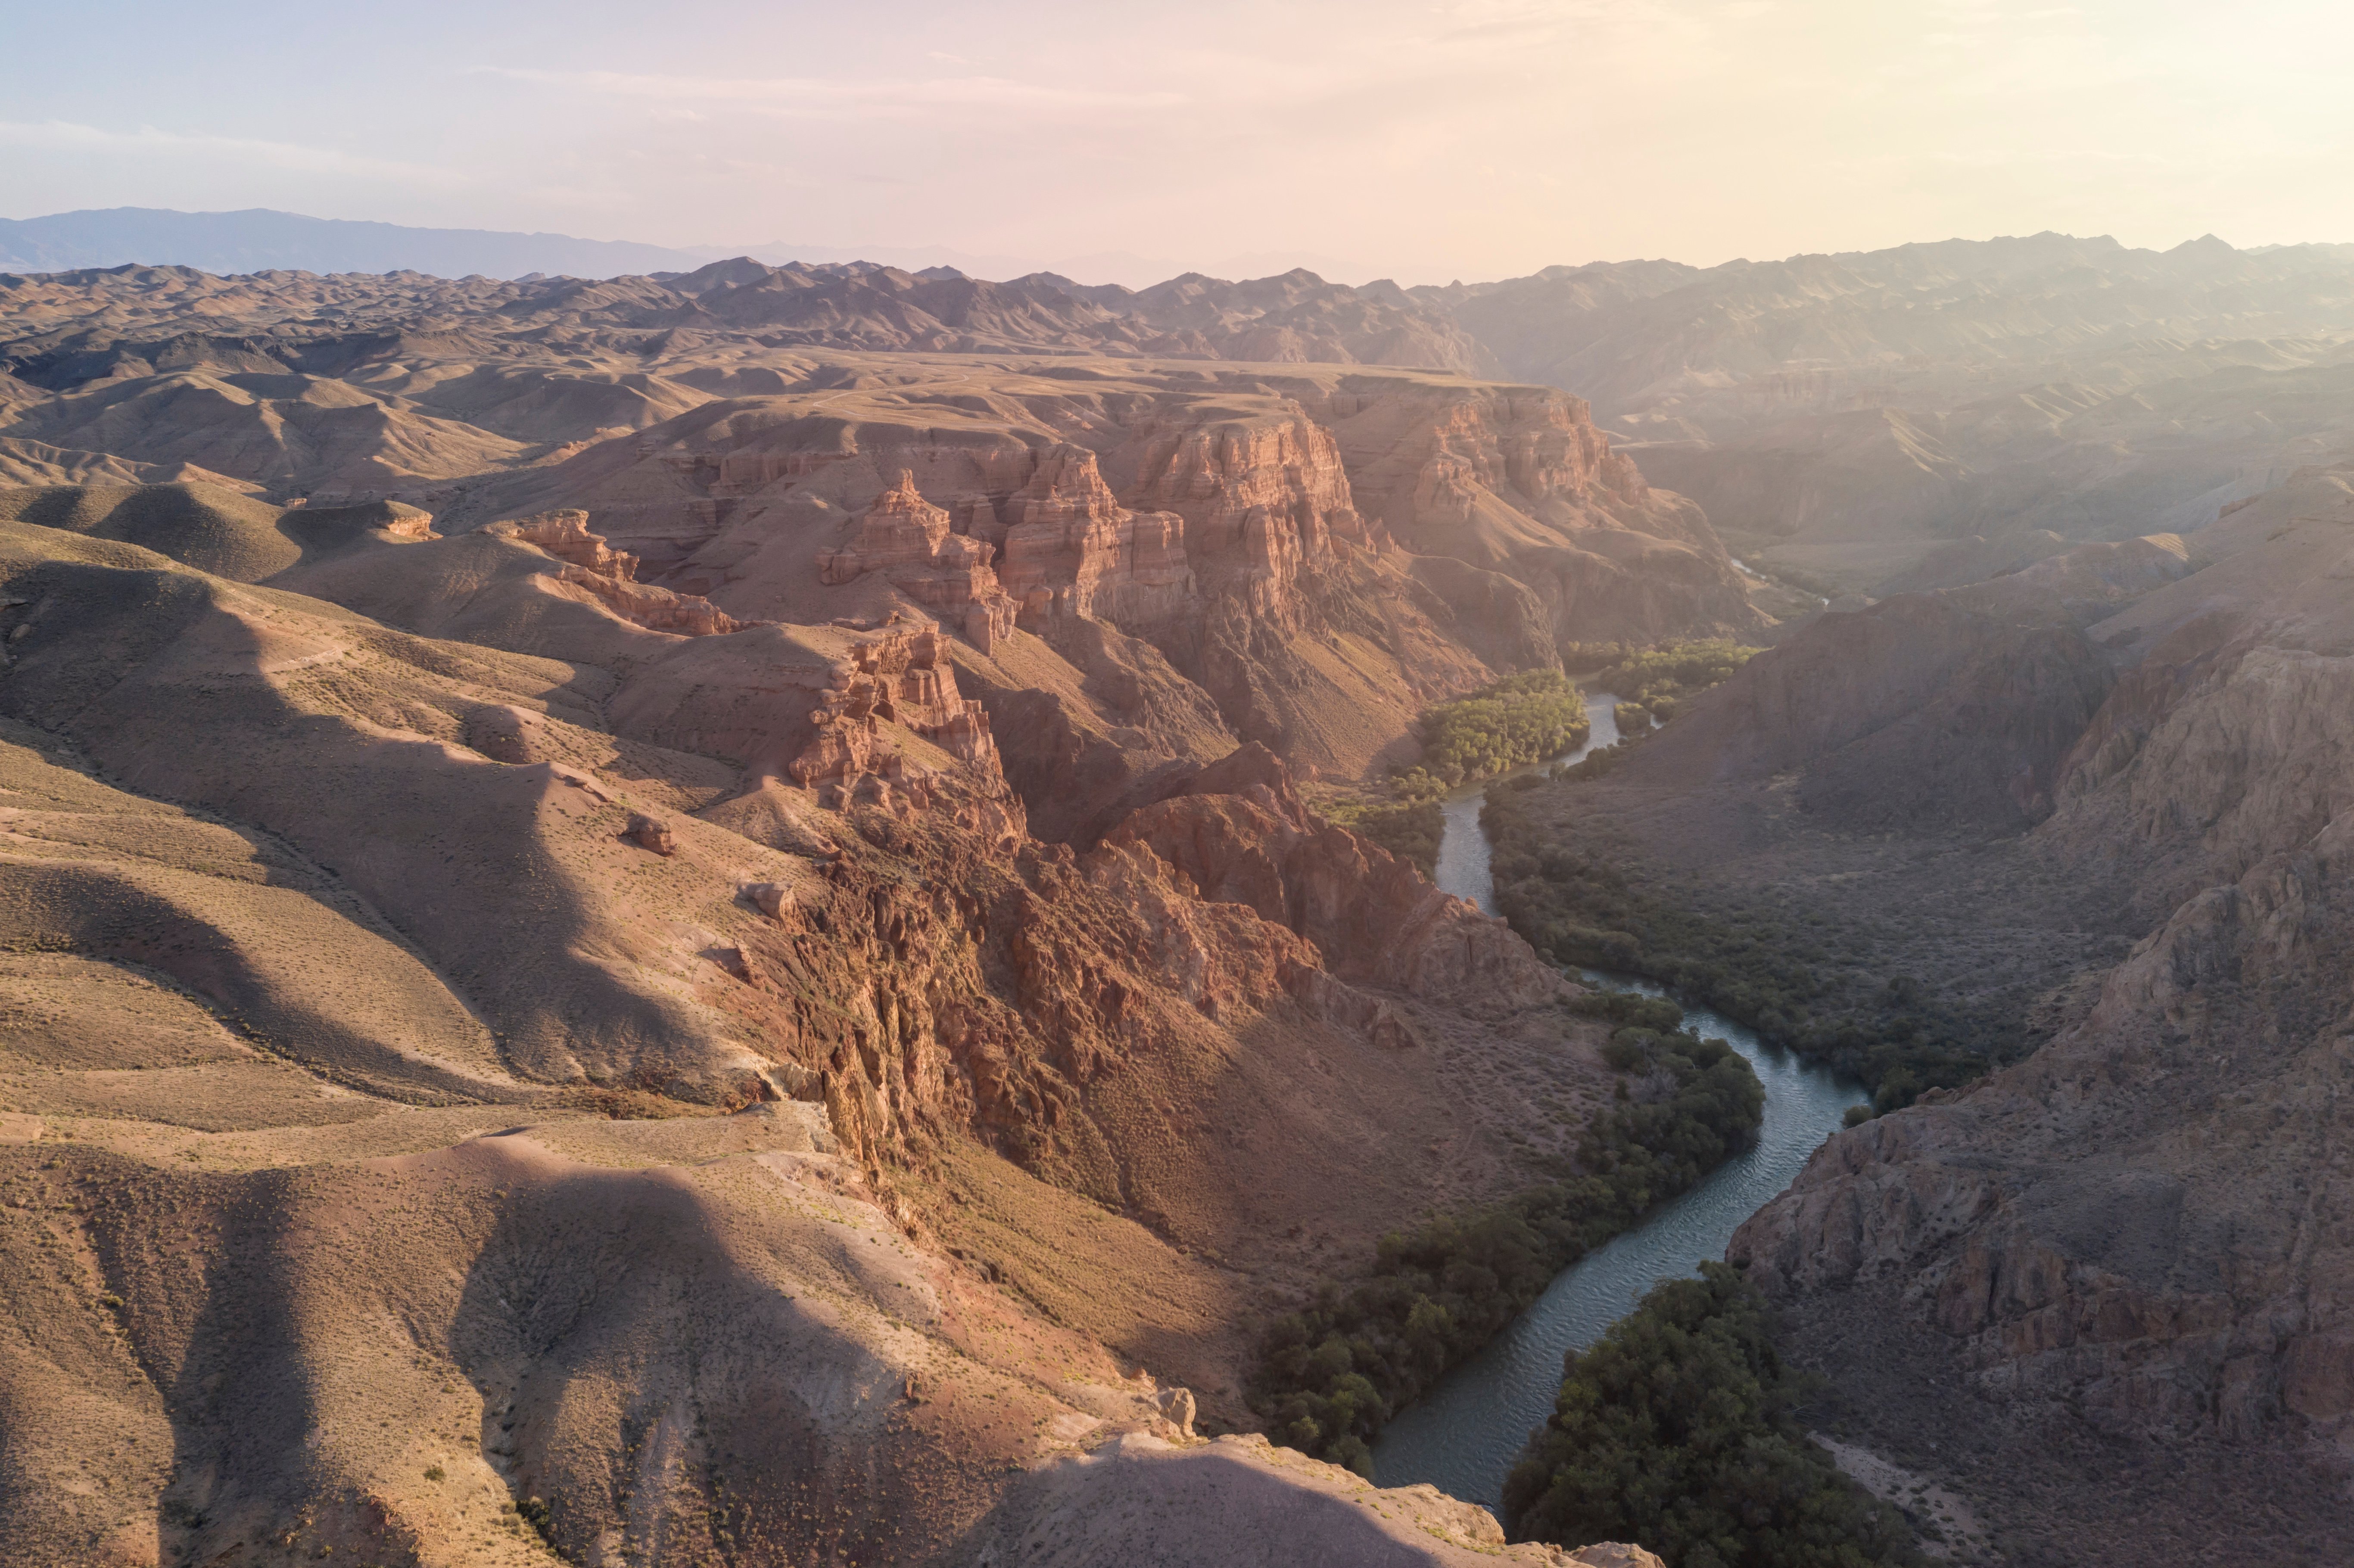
(1463, 851)
(1464, 1435)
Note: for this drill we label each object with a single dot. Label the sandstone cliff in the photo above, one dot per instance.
(2123, 1254)
(464, 891)
(908, 539)
(742, 432)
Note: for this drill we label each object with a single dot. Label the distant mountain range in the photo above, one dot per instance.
(258, 239)
(1843, 418)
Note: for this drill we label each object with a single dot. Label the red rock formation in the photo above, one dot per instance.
(610, 577)
(648, 832)
(1518, 480)
(1073, 551)
(1263, 500)
(910, 541)
(896, 676)
(1239, 834)
(656, 608)
(564, 534)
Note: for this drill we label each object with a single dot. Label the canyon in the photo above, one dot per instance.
(705, 916)
(1843, 418)
(660, 945)
(2093, 1284)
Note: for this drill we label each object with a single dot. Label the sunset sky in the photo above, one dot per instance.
(1423, 142)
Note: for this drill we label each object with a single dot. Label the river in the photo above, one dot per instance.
(1464, 1435)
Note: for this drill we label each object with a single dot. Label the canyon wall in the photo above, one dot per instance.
(2126, 1252)
(479, 944)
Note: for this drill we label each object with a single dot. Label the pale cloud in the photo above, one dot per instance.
(843, 95)
(63, 136)
(1430, 138)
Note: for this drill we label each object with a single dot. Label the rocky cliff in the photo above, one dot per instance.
(1074, 553)
(1846, 415)
(1231, 529)
(1321, 550)
(2124, 1251)
(909, 541)
(453, 955)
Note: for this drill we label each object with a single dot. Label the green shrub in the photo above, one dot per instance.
(1576, 907)
(1410, 831)
(1674, 1432)
(1519, 719)
(1329, 1377)
(1595, 764)
(1658, 678)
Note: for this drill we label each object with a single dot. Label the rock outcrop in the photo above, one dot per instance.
(610, 577)
(1238, 832)
(1124, 1503)
(1518, 480)
(910, 540)
(894, 675)
(1074, 553)
(1264, 501)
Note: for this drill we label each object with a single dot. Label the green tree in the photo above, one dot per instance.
(1329, 1376)
(1521, 719)
(1674, 1431)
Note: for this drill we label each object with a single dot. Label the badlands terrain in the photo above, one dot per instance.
(2089, 818)
(650, 922)
(1927, 416)
(700, 918)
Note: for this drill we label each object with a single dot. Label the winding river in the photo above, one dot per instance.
(1464, 1435)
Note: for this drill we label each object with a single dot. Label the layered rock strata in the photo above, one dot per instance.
(910, 540)
(1074, 553)
(610, 576)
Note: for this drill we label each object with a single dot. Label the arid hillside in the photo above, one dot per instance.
(1302, 554)
(381, 1000)
(2069, 842)
(635, 933)
(1859, 422)
(1842, 416)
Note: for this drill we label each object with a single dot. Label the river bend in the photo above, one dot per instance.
(1464, 1435)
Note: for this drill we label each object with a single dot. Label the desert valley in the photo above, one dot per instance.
(816, 913)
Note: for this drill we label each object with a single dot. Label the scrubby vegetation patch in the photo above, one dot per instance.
(1675, 1431)
(1773, 972)
(1521, 719)
(1329, 1377)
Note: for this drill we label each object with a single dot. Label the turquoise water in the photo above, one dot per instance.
(1463, 848)
(1464, 1435)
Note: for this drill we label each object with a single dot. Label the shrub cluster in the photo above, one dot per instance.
(1329, 1377)
(1519, 719)
(1658, 680)
(1576, 908)
(1410, 831)
(1674, 1432)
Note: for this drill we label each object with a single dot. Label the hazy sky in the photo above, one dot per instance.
(1468, 138)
